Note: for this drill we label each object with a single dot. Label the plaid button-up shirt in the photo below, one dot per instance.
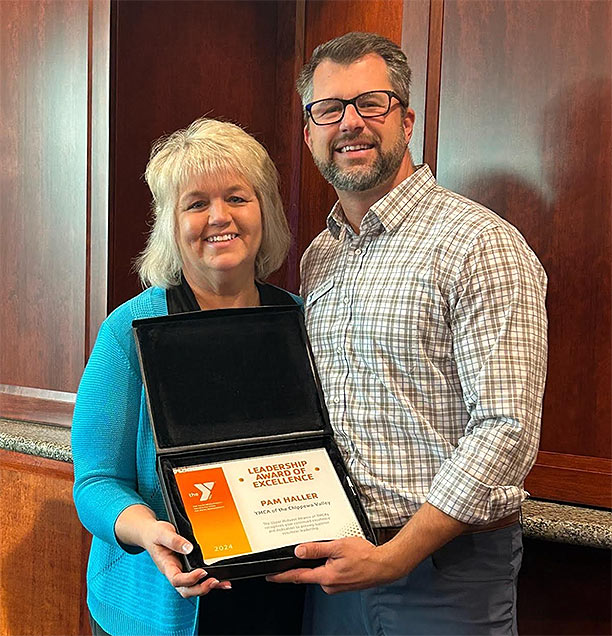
(429, 333)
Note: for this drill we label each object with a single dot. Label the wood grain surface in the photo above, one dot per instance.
(44, 549)
(525, 128)
(43, 66)
(325, 20)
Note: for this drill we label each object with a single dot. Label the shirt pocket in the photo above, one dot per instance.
(320, 311)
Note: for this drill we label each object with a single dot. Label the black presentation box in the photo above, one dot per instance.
(230, 384)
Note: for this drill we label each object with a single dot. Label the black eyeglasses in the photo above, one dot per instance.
(370, 104)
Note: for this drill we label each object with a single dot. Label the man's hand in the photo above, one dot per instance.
(356, 564)
(352, 564)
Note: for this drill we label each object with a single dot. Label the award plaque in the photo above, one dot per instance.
(245, 506)
(246, 457)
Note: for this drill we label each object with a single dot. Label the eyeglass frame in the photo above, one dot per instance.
(353, 101)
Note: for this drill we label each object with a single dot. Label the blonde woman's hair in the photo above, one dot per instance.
(208, 147)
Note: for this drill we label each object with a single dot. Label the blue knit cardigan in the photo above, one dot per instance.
(114, 467)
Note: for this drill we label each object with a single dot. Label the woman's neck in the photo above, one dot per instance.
(222, 293)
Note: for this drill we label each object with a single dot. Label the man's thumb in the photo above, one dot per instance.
(319, 550)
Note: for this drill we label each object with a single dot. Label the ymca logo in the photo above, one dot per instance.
(206, 490)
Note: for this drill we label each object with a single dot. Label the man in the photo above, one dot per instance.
(427, 320)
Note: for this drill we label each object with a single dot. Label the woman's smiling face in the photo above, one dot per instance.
(219, 226)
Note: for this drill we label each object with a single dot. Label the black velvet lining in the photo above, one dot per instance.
(229, 374)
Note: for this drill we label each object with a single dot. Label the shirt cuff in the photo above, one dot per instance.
(469, 500)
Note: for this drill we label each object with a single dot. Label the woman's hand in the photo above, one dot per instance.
(137, 525)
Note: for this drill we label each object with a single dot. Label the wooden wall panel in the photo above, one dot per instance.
(36, 405)
(54, 163)
(564, 589)
(98, 160)
(173, 62)
(415, 43)
(43, 115)
(572, 478)
(287, 147)
(44, 549)
(525, 129)
(326, 19)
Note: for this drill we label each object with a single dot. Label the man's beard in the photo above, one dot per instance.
(360, 178)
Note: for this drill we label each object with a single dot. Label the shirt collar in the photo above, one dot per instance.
(392, 209)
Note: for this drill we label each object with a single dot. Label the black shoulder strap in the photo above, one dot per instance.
(273, 295)
(180, 298)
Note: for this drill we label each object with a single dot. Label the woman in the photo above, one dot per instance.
(219, 230)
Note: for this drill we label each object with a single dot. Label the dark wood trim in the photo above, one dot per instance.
(415, 36)
(84, 625)
(12, 460)
(571, 478)
(290, 39)
(88, 176)
(97, 169)
(36, 405)
(432, 95)
(112, 150)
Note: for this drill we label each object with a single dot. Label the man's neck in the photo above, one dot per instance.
(355, 205)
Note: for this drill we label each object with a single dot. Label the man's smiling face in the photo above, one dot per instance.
(357, 154)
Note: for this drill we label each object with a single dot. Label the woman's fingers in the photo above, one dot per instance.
(186, 579)
(163, 544)
(167, 536)
(203, 588)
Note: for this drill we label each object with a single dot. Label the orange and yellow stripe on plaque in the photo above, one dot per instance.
(211, 509)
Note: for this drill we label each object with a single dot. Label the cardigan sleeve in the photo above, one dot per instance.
(104, 436)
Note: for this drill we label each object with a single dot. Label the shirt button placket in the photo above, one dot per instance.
(353, 268)
(345, 311)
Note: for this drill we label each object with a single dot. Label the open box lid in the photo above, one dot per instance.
(219, 376)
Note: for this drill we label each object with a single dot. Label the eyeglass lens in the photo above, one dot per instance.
(330, 111)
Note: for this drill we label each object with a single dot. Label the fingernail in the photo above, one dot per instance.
(300, 551)
(187, 548)
(226, 586)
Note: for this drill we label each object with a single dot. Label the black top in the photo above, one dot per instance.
(181, 298)
(218, 610)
